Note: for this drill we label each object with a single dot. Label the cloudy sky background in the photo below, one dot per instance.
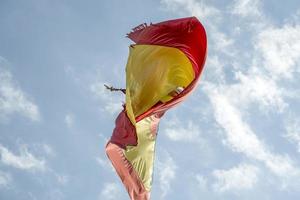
(236, 137)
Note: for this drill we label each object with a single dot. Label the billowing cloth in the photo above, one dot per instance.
(163, 68)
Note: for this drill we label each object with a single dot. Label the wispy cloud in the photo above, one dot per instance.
(293, 131)
(112, 103)
(109, 102)
(62, 179)
(5, 179)
(166, 173)
(241, 138)
(247, 8)
(110, 191)
(12, 98)
(202, 182)
(280, 50)
(241, 177)
(69, 120)
(177, 130)
(197, 8)
(48, 149)
(256, 88)
(25, 160)
(104, 163)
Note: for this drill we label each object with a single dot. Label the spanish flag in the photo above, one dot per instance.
(163, 67)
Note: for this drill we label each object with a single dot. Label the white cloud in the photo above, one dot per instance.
(176, 130)
(110, 191)
(258, 88)
(215, 69)
(13, 99)
(241, 138)
(5, 179)
(221, 42)
(111, 101)
(48, 150)
(24, 161)
(104, 163)
(239, 135)
(70, 71)
(69, 120)
(241, 177)
(51, 194)
(62, 179)
(293, 131)
(166, 173)
(202, 182)
(196, 8)
(247, 8)
(280, 50)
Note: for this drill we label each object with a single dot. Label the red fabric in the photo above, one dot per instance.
(124, 133)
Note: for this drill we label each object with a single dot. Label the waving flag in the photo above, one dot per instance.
(163, 68)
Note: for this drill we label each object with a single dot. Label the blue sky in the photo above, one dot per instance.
(236, 137)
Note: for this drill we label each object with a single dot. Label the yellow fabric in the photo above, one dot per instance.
(142, 156)
(152, 72)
